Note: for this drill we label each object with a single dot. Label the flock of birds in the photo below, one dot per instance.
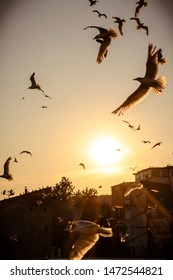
(89, 231)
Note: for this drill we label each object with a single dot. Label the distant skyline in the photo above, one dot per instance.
(76, 125)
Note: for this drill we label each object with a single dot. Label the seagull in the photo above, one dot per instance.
(93, 2)
(129, 125)
(147, 82)
(26, 152)
(6, 174)
(47, 96)
(146, 141)
(89, 235)
(155, 145)
(44, 107)
(34, 85)
(133, 168)
(138, 128)
(132, 187)
(140, 25)
(83, 165)
(100, 14)
(141, 3)
(104, 38)
(120, 24)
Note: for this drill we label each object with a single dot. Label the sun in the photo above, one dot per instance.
(107, 151)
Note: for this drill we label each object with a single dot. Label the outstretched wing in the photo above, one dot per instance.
(32, 79)
(83, 245)
(137, 96)
(101, 29)
(103, 49)
(6, 166)
(152, 62)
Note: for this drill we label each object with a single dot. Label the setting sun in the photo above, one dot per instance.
(106, 151)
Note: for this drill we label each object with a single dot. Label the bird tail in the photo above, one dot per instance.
(160, 85)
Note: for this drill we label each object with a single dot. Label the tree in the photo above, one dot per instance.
(64, 190)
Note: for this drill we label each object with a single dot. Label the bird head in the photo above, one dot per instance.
(138, 79)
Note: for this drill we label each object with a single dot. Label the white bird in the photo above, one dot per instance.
(89, 235)
(105, 38)
(147, 82)
(6, 174)
(132, 187)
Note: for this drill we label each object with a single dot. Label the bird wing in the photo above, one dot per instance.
(152, 63)
(83, 245)
(95, 11)
(136, 19)
(82, 165)
(157, 144)
(32, 79)
(101, 29)
(137, 10)
(136, 97)
(6, 166)
(103, 49)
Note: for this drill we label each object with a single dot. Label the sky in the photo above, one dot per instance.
(48, 38)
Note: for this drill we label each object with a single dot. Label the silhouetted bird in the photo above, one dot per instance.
(11, 192)
(120, 24)
(138, 128)
(140, 25)
(15, 160)
(147, 82)
(44, 107)
(129, 125)
(89, 235)
(100, 14)
(93, 2)
(47, 96)
(26, 152)
(145, 141)
(155, 145)
(4, 192)
(34, 85)
(105, 38)
(141, 3)
(133, 168)
(6, 174)
(83, 165)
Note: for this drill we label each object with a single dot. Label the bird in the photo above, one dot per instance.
(141, 3)
(44, 107)
(82, 164)
(161, 59)
(155, 145)
(105, 38)
(89, 235)
(120, 24)
(138, 128)
(140, 25)
(146, 141)
(133, 168)
(132, 187)
(93, 2)
(129, 125)
(147, 82)
(100, 14)
(15, 160)
(6, 174)
(47, 96)
(34, 85)
(26, 152)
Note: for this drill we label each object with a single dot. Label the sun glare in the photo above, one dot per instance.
(107, 151)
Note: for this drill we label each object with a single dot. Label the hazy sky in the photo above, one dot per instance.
(47, 37)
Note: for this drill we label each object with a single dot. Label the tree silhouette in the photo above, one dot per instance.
(64, 190)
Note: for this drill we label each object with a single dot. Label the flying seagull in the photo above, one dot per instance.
(99, 14)
(26, 152)
(34, 85)
(132, 187)
(146, 141)
(83, 165)
(89, 235)
(105, 38)
(155, 145)
(140, 25)
(147, 82)
(93, 2)
(120, 24)
(6, 174)
(141, 3)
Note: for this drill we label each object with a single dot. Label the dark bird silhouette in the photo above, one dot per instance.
(129, 125)
(6, 174)
(26, 152)
(133, 168)
(141, 3)
(155, 145)
(93, 2)
(100, 14)
(4, 192)
(138, 128)
(83, 165)
(149, 81)
(120, 24)
(44, 107)
(47, 96)
(11, 192)
(34, 85)
(89, 235)
(161, 59)
(146, 141)
(140, 25)
(105, 38)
